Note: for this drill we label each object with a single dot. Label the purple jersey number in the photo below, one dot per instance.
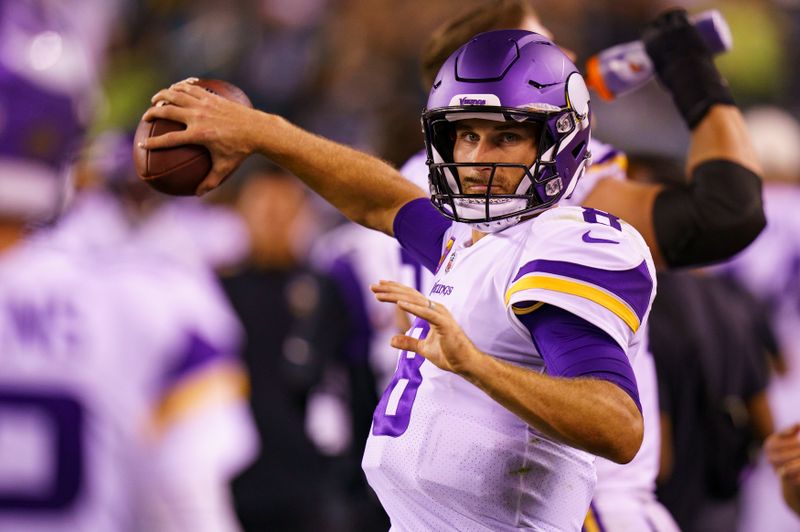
(393, 413)
(595, 216)
(66, 417)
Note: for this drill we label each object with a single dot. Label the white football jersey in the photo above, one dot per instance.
(98, 360)
(441, 454)
(621, 488)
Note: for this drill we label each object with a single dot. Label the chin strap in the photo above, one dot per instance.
(496, 226)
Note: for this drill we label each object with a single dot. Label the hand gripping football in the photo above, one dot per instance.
(178, 171)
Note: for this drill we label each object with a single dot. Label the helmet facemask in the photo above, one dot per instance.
(540, 186)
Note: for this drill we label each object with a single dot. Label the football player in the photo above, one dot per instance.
(109, 376)
(471, 433)
(625, 494)
(440, 454)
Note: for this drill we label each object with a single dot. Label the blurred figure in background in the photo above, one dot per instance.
(710, 344)
(113, 364)
(294, 321)
(770, 270)
(113, 207)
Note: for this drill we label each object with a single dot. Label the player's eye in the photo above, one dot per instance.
(468, 136)
(509, 138)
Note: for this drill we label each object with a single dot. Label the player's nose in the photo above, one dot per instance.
(483, 152)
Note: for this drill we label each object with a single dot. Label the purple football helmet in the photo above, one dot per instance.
(508, 75)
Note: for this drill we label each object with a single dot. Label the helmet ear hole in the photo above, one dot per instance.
(576, 151)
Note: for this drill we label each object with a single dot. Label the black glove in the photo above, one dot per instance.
(685, 66)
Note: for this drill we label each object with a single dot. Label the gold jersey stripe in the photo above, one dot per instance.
(219, 383)
(586, 291)
(590, 524)
(519, 311)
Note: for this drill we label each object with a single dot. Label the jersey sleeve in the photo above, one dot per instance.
(588, 263)
(421, 231)
(199, 365)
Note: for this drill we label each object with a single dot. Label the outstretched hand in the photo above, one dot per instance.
(446, 344)
(219, 124)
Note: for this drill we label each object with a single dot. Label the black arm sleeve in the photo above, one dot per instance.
(711, 219)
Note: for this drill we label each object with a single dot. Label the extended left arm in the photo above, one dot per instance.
(592, 414)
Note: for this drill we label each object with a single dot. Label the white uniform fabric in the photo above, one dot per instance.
(444, 456)
(183, 230)
(103, 361)
(769, 268)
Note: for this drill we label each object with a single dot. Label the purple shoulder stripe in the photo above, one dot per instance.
(633, 286)
(420, 229)
(196, 353)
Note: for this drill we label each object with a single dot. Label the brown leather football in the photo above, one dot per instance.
(178, 171)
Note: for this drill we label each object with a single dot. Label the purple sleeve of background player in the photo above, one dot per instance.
(420, 229)
(573, 347)
(196, 353)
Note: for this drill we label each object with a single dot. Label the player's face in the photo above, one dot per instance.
(487, 141)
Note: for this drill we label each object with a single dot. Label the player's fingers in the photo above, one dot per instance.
(790, 470)
(168, 112)
(780, 443)
(395, 295)
(195, 91)
(405, 343)
(384, 284)
(430, 312)
(167, 140)
(173, 96)
(190, 80)
(214, 179)
(393, 287)
(793, 430)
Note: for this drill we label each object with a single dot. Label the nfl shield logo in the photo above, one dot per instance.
(450, 263)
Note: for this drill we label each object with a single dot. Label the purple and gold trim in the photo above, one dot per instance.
(447, 250)
(626, 293)
(592, 523)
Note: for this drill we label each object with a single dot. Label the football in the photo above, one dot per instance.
(178, 171)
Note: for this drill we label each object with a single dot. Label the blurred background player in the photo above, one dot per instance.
(769, 270)
(293, 318)
(111, 207)
(110, 378)
(711, 343)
